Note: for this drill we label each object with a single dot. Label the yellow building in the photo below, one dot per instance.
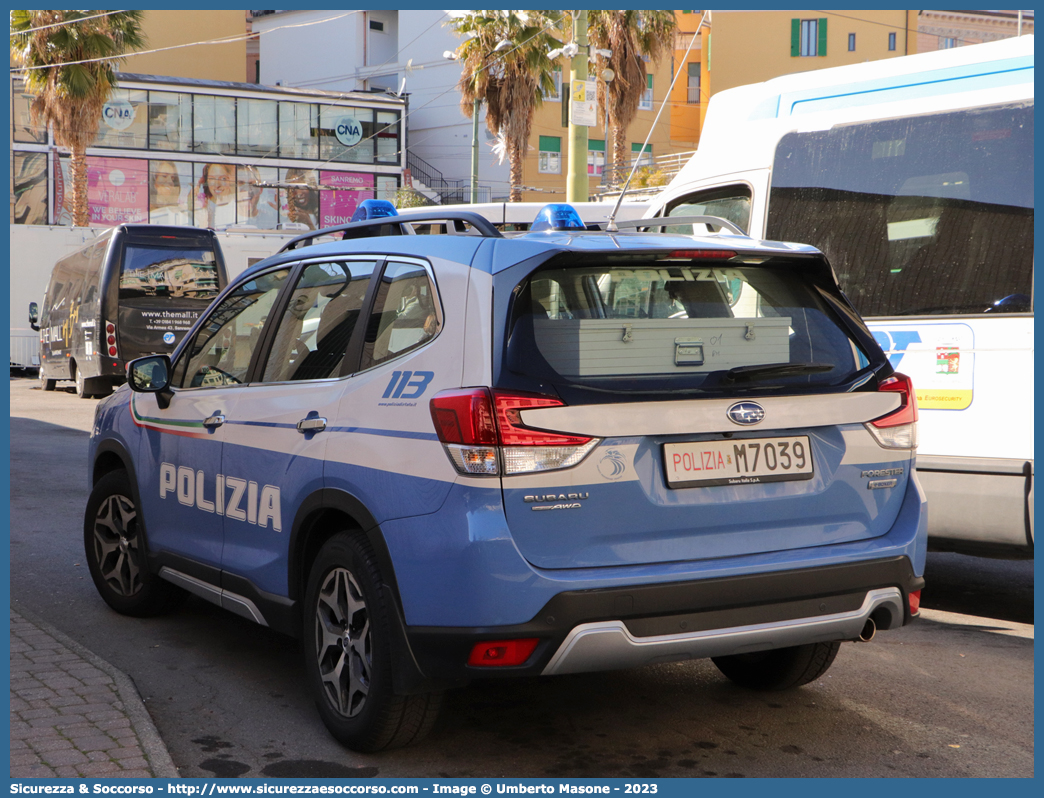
(740, 47)
(225, 61)
(545, 169)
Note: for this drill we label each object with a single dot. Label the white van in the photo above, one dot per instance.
(915, 176)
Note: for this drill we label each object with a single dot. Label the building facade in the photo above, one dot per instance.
(941, 30)
(215, 154)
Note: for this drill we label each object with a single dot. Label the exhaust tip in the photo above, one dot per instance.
(869, 630)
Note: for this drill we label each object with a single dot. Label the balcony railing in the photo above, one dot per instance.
(694, 95)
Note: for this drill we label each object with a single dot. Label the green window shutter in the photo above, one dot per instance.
(637, 148)
(822, 37)
(550, 144)
(795, 38)
(648, 81)
(596, 145)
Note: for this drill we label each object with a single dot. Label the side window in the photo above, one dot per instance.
(221, 350)
(731, 203)
(406, 313)
(314, 332)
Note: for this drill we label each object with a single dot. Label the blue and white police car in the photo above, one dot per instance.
(445, 457)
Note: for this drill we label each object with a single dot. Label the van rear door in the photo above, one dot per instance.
(165, 281)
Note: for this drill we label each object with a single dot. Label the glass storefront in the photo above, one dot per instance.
(182, 174)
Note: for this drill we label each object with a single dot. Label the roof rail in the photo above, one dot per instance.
(661, 221)
(398, 225)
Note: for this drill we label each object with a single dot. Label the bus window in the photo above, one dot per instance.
(730, 202)
(189, 272)
(922, 216)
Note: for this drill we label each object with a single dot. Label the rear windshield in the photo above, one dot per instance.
(149, 271)
(676, 326)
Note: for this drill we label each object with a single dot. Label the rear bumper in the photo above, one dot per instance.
(588, 630)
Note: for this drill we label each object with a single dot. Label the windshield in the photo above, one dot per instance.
(676, 326)
(149, 271)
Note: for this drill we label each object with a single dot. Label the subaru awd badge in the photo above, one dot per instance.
(168, 337)
(746, 413)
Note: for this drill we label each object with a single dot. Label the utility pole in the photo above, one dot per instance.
(577, 189)
(475, 149)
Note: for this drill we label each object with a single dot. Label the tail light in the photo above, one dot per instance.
(915, 601)
(502, 653)
(897, 430)
(482, 432)
(110, 340)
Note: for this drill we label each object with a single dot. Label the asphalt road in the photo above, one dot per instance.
(949, 696)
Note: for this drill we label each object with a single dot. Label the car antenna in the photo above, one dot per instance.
(611, 227)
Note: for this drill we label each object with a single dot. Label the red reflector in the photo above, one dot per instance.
(464, 417)
(509, 421)
(915, 601)
(112, 351)
(111, 339)
(501, 653)
(907, 412)
(110, 327)
(702, 253)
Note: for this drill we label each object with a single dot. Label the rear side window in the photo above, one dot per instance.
(731, 203)
(676, 325)
(149, 271)
(406, 313)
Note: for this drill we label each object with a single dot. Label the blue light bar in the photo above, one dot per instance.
(373, 209)
(557, 216)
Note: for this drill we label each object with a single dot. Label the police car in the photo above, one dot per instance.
(439, 458)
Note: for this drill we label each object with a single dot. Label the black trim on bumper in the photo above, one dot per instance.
(647, 610)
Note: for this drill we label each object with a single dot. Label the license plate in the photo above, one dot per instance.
(737, 462)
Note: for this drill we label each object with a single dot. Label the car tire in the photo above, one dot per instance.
(46, 384)
(779, 668)
(348, 656)
(116, 552)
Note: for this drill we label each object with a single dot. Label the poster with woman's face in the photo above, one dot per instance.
(215, 194)
(258, 205)
(170, 192)
(299, 199)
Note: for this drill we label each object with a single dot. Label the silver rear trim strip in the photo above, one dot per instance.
(626, 419)
(608, 645)
(225, 599)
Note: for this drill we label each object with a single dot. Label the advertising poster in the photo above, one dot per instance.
(170, 192)
(30, 188)
(299, 198)
(215, 194)
(258, 204)
(341, 195)
(117, 191)
(940, 358)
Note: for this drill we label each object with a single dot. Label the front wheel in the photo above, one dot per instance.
(348, 641)
(115, 550)
(779, 668)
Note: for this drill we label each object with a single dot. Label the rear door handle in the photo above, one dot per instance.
(215, 420)
(312, 424)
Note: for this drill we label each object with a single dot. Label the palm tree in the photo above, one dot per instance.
(58, 52)
(511, 80)
(630, 35)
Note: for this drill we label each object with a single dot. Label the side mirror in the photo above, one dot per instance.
(151, 375)
(34, 316)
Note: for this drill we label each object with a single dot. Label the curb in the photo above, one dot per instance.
(152, 744)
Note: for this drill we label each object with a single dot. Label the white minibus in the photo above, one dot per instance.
(915, 176)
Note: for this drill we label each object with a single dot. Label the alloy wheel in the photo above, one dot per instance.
(116, 544)
(344, 649)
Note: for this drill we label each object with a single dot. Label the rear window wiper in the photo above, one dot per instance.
(749, 373)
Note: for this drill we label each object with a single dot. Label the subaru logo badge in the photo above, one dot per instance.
(746, 413)
(168, 338)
